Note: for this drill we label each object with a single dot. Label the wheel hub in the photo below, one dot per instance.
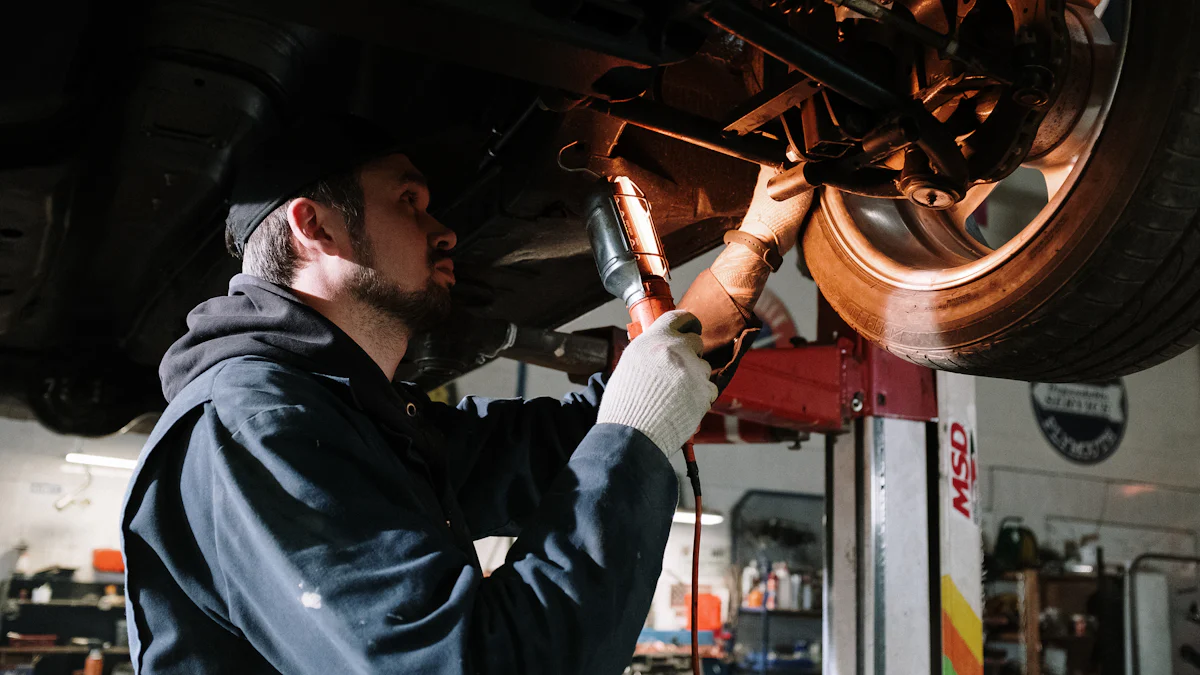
(928, 192)
(930, 241)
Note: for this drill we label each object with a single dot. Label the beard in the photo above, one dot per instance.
(417, 311)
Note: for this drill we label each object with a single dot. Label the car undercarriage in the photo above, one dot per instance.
(123, 131)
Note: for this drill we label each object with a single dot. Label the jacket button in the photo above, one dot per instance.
(411, 408)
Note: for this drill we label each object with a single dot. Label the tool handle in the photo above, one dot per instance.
(644, 312)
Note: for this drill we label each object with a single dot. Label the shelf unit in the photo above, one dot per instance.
(798, 613)
(1027, 632)
(68, 603)
(1071, 594)
(11, 656)
(770, 526)
(768, 618)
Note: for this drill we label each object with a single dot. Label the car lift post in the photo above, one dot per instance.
(903, 559)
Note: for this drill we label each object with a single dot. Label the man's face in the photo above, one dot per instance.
(403, 252)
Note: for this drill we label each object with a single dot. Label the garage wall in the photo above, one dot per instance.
(1147, 494)
(33, 476)
(1164, 425)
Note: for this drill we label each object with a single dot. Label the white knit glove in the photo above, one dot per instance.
(660, 387)
(742, 272)
(768, 219)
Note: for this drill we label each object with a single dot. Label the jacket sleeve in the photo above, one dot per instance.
(325, 568)
(504, 453)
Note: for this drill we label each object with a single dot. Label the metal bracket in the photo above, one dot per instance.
(820, 388)
(771, 103)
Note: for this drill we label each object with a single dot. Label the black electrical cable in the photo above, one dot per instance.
(693, 474)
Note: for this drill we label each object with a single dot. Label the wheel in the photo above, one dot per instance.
(1104, 281)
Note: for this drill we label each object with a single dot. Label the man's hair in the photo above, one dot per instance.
(270, 254)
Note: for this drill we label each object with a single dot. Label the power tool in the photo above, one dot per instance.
(632, 266)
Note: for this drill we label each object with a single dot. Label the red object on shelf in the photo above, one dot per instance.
(107, 560)
(29, 640)
(708, 611)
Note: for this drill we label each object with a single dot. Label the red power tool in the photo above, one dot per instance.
(632, 267)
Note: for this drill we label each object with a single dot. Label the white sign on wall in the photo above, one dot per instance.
(1082, 422)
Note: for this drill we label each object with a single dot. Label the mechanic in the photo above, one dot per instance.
(296, 511)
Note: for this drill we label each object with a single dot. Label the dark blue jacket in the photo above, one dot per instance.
(295, 512)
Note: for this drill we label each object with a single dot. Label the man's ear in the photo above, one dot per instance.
(318, 228)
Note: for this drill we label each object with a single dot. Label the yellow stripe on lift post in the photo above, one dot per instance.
(962, 617)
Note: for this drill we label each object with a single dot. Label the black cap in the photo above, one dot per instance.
(287, 164)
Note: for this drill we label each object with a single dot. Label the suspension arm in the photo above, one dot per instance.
(756, 28)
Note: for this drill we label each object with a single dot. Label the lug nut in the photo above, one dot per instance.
(1033, 87)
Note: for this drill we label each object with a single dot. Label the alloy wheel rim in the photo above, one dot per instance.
(906, 246)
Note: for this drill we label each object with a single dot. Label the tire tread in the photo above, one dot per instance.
(1136, 303)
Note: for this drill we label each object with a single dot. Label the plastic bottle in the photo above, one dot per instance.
(749, 578)
(784, 585)
(796, 590)
(806, 594)
(94, 665)
(42, 594)
(755, 598)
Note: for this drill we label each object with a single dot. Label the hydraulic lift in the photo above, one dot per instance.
(903, 556)
(903, 550)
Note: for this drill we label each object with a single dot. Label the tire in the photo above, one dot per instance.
(1110, 285)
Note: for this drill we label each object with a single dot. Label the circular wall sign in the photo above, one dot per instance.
(1084, 422)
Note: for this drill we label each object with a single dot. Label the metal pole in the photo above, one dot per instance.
(766, 632)
(841, 628)
(564, 352)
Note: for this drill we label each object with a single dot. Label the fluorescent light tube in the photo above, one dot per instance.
(102, 460)
(689, 517)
